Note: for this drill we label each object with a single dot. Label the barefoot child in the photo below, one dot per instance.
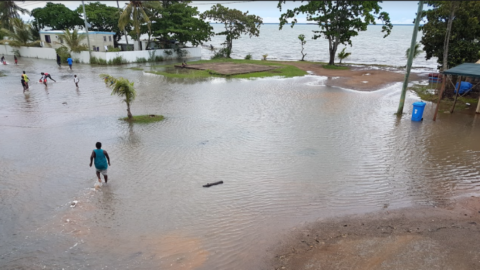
(101, 165)
(75, 80)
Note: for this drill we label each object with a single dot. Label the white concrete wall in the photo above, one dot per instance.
(32, 52)
(84, 57)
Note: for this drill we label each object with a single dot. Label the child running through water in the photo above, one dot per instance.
(23, 84)
(44, 78)
(3, 60)
(76, 80)
(25, 77)
(101, 157)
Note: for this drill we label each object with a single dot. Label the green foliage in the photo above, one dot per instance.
(21, 35)
(264, 57)
(335, 67)
(112, 49)
(416, 52)
(76, 60)
(181, 53)
(97, 61)
(338, 21)
(144, 119)
(168, 53)
(158, 58)
(117, 61)
(301, 37)
(9, 11)
(16, 53)
(141, 60)
(248, 56)
(57, 16)
(122, 88)
(134, 14)
(74, 40)
(179, 22)
(465, 32)
(236, 23)
(342, 55)
(222, 53)
(63, 53)
(103, 18)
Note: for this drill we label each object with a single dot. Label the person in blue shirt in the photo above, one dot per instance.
(101, 157)
(70, 61)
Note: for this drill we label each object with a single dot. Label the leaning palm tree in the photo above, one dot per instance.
(342, 55)
(134, 13)
(121, 87)
(74, 40)
(9, 11)
(21, 35)
(416, 52)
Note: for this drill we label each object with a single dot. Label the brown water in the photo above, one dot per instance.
(289, 151)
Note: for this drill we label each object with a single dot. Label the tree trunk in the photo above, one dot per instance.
(332, 51)
(447, 36)
(129, 114)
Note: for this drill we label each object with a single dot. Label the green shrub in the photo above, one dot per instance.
(159, 58)
(93, 60)
(222, 53)
(63, 53)
(112, 49)
(248, 56)
(117, 61)
(76, 60)
(264, 57)
(141, 60)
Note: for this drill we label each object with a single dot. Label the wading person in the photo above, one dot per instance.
(59, 61)
(15, 58)
(75, 80)
(70, 62)
(25, 77)
(101, 157)
(23, 84)
(44, 78)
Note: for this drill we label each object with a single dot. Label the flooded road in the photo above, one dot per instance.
(289, 151)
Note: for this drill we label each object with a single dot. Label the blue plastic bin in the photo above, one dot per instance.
(418, 107)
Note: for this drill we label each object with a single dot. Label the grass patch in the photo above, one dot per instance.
(136, 68)
(2, 74)
(284, 70)
(144, 119)
(335, 67)
(446, 103)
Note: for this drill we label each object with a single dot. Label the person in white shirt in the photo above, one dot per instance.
(75, 80)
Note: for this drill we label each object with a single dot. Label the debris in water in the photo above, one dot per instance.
(73, 204)
(213, 184)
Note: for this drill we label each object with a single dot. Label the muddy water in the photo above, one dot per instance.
(288, 150)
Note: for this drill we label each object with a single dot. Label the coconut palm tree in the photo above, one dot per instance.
(9, 11)
(121, 87)
(134, 13)
(342, 55)
(73, 40)
(21, 35)
(416, 52)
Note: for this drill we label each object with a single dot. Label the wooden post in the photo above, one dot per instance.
(456, 95)
(478, 106)
(444, 78)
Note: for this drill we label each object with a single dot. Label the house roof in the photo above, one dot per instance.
(465, 69)
(80, 32)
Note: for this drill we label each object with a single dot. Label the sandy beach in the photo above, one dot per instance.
(422, 237)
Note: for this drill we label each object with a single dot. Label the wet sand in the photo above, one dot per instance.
(411, 238)
(356, 78)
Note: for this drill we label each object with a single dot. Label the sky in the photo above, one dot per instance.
(401, 12)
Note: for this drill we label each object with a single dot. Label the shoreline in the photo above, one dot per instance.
(419, 237)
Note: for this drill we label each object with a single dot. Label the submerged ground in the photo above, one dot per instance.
(291, 152)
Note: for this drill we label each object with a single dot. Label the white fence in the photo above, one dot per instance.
(83, 57)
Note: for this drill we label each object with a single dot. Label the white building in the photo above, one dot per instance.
(98, 40)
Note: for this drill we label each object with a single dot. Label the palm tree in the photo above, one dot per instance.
(134, 13)
(416, 52)
(73, 40)
(21, 35)
(9, 11)
(121, 87)
(342, 55)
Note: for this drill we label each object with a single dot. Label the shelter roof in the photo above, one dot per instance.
(465, 69)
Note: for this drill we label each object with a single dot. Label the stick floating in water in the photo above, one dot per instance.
(213, 184)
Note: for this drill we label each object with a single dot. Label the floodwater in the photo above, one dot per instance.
(289, 151)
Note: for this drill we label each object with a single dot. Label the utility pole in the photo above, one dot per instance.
(410, 58)
(86, 29)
